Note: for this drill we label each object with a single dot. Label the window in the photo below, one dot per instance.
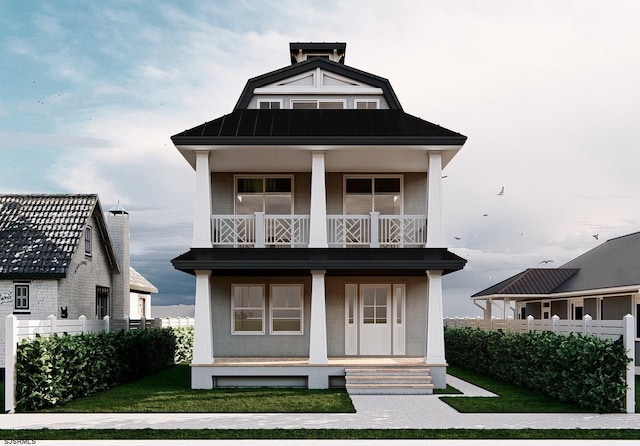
(367, 194)
(87, 240)
(269, 105)
(374, 304)
(286, 309)
(313, 104)
(367, 105)
(271, 195)
(102, 301)
(247, 309)
(22, 296)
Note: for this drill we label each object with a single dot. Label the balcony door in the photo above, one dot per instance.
(365, 194)
(272, 195)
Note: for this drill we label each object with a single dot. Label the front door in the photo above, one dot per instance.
(375, 319)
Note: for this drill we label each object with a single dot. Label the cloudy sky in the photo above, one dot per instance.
(547, 92)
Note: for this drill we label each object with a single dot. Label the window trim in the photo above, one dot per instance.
(271, 308)
(372, 177)
(263, 177)
(88, 241)
(269, 101)
(103, 292)
(23, 285)
(233, 308)
(318, 101)
(357, 101)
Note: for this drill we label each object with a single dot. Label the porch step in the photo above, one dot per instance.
(388, 380)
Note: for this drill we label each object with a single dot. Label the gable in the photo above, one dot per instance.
(320, 80)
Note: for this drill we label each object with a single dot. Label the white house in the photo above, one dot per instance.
(318, 233)
(60, 256)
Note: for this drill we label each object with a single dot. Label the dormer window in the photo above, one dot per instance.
(313, 104)
(269, 105)
(367, 105)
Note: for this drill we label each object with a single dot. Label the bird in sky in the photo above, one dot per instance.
(457, 238)
(547, 261)
(595, 236)
(501, 193)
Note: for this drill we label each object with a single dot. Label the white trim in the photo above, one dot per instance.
(351, 311)
(399, 314)
(17, 285)
(301, 308)
(247, 285)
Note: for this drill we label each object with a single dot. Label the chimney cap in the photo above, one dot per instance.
(118, 209)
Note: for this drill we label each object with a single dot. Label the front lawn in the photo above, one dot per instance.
(169, 391)
(511, 398)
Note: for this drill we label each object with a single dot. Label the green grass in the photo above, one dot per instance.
(169, 391)
(511, 398)
(448, 391)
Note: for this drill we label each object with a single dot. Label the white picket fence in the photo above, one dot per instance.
(16, 330)
(604, 329)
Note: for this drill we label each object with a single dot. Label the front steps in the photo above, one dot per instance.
(388, 381)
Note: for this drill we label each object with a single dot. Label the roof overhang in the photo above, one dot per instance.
(621, 290)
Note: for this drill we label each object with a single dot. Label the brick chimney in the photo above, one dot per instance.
(118, 226)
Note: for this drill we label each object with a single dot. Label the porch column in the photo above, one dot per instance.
(203, 329)
(435, 356)
(318, 214)
(202, 205)
(318, 330)
(435, 229)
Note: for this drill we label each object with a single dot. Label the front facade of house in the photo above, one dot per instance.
(60, 256)
(318, 232)
(603, 283)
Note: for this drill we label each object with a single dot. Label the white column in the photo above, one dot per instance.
(435, 229)
(435, 330)
(318, 215)
(203, 330)
(318, 330)
(10, 357)
(629, 339)
(202, 205)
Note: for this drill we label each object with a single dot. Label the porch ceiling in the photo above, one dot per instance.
(336, 261)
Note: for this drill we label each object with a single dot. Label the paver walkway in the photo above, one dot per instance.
(372, 412)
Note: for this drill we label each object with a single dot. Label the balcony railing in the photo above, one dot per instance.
(373, 230)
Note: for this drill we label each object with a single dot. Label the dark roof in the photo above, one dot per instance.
(312, 64)
(335, 261)
(531, 281)
(614, 263)
(40, 233)
(320, 47)
(330, 127)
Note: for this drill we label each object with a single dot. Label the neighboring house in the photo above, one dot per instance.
(140, 295)
(318, 233)
(60, 256)
(603, 283)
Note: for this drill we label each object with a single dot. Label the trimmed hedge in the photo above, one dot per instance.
(588, 371)
(57, 369)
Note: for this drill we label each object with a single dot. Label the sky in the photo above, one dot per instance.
(547, 92)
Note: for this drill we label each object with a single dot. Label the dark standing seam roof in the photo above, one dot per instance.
(531, 281)
(372, 127)
(311, 64)
(40, 233)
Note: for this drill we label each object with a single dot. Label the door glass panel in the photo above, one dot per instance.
(368, 315)
(381, 315)
(369, 297)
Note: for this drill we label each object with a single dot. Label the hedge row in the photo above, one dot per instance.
(585, 370)
(57, 369)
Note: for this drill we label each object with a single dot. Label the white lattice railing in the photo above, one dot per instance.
(234, 230)
(377, 230)
(259, 230)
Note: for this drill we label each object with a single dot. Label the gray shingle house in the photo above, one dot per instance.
(60, 256)
(318, 240)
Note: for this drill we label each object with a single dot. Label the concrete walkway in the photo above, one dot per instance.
(372, 412)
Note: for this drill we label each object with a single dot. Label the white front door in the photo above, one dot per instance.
(375, 319)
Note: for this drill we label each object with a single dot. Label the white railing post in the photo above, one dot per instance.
(586, 325)
(478, 319)
(260, 234)
(629, 345)
(107, 323)
(52, 324)
(555, 319)
(143, 323)
(529, 322)
(127, 324)
(510, 323)
(10, 355)
(374, 236)
(83, 323)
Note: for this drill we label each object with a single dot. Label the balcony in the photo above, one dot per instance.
(373, 230)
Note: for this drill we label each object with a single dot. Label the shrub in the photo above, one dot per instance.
(586, 370)
(57, 369)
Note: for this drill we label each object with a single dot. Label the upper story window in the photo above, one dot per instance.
(22, 296)
(269, 105)
(87, 240)
(367, 105)
(365, 194)
(269, 194)
(313, 104)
